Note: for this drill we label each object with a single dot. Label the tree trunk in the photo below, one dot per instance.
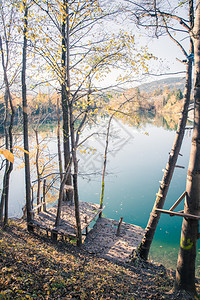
(68, 103)
(185, 273)
(144, 247)
(58, 141)
(75, 176)
(72, 132)
(3, 195)
(10, 163)
(25, 117)
(8, 126)
(60, 198)
(64, 87)
(38, 169)
(105, 163)
(106, 152)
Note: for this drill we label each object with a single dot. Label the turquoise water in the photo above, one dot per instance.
(133, 174)
(136, 158)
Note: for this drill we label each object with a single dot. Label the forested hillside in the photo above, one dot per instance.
(162, 96)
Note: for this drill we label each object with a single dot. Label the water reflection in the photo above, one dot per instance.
(138, 151)
(143, 118)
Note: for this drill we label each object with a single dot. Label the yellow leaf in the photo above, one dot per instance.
(21, 7)
(8, 155)
(25, 151)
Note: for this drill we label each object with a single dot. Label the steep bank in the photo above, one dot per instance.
(32, 267)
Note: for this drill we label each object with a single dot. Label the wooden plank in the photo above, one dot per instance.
(94, 216)
(63, 232)
(180, 214)
(178, 201)
(37, 224)
(36, 207)
(52, 230)
(181, 167)
(68, 187)
(45, 220)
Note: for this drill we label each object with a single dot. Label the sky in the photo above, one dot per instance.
(163, 48)
(166, 51)
(165, 66)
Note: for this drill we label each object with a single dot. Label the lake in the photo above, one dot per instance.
(136, 157)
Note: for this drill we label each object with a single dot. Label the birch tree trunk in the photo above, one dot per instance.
(185, 273)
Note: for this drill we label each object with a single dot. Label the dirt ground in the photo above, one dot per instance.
(32, 266)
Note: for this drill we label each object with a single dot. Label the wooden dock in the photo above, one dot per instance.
(105, 241)
(110, 239)
(46, 219)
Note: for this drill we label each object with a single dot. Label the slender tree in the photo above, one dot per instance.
(39, 173)
(58, 142)
(9, 113)
(72, 131)
(161, 21)
(25, 115)
(65, 84)
(185, 273)
(106, 151)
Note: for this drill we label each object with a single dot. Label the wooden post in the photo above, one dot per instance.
(54, 235)
(44, 191)
(119, 226)
(86, 229)
(30, 227)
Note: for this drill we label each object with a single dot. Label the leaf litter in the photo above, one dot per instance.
(34, 267)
